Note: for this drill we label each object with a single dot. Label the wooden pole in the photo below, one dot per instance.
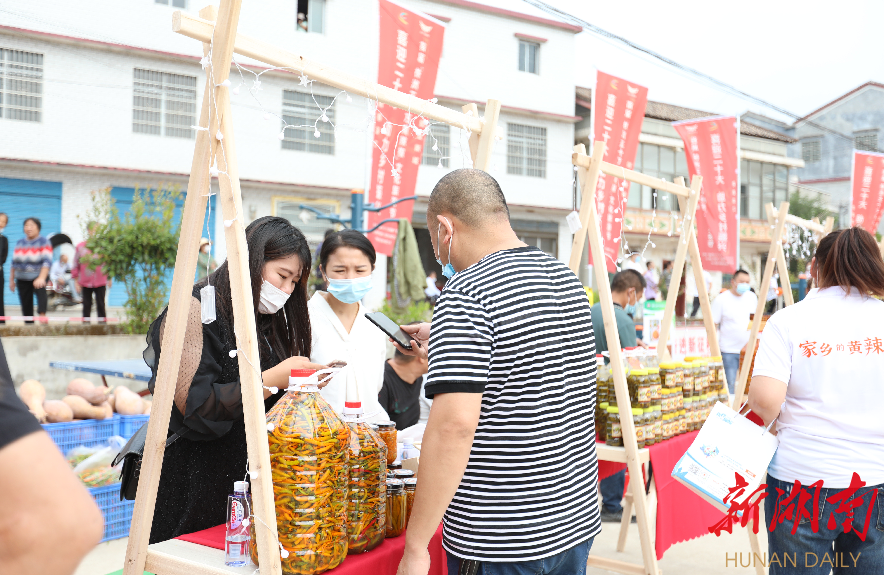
(201, 30)
(622, 393)
(678, 267)
(482, 156)
(580, 237)
(230, 196)
(179, 305)
(775, 244)
(697, 267)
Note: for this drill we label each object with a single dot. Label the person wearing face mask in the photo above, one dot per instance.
(730, 312)
(209, 453)
(626, 289)
(340, 330)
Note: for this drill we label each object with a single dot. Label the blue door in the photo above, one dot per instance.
(22, 199)
(123, 202)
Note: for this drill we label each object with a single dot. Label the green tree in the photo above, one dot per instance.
(802, 245)
(137, 248)
(809, 206)
(416, 311)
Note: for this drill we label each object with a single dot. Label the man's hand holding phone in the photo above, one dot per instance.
(420, 338)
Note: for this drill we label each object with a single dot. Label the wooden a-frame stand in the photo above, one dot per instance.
(776, 259)
(589, 169)
(216, 28)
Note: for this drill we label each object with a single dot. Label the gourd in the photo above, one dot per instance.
(58, 411)
(82, 409)
(87, 390)
(127, 402)
(33, 395)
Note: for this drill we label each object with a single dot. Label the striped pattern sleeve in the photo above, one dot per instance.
(461, 343)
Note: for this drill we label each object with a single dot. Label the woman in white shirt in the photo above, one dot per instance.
(340, 330)
(818, 373)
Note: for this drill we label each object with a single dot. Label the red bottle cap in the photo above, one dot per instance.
(353, 404)
(302, 372)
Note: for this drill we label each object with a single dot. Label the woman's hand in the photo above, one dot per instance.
(12, 284)
(39, 283)
(420, 338)
(278, 376)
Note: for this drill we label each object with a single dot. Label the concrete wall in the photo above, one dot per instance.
(29, 358)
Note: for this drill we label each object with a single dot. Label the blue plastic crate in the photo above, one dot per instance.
(88, 432)
(129, 424)
(117, 514)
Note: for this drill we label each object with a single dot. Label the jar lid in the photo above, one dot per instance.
(653, 370)
(395, 465)
(639, 372)
(716, 358)
(386, 425)
(410, 483)
(667, 365)
(677, 389)
(603, 405)
(667, 417)
(657, 407)
(394, 485)
(403, 473)
(637, 411)
(703, 396)
(649, 410)
(681, 412)
(613, 409)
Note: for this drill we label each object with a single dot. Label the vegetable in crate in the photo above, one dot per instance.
(366, 503)
(87, 390)
(127, 402)
(57, 411)
(309, 455)
(84, 410)
(33, 395)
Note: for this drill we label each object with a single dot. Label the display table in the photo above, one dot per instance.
(383, 560)
(681, 514)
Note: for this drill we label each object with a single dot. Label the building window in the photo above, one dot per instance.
(311, 16)
(761, 184)
(173, 3)
(528, 52)
(526, 151)
(660, 162)
(302, 116)
(21, 85)
(164, 104)
(810, 151)
(867, 141)
(442, 135)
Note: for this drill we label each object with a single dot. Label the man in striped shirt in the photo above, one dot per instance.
(508, 455)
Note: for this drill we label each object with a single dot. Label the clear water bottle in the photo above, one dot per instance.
(236, 544)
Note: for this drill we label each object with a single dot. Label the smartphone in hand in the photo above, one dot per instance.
(390, 328)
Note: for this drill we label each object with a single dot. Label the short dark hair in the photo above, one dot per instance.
(469, 195)
(649, 264)
(36, 222)
(738, 272)
(855, 262)
(346, 238)
(403, 358)
(626, 279)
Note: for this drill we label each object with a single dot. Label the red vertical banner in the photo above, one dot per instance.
(711, 148)
(867, 198)
(619, 109)
(410, 48)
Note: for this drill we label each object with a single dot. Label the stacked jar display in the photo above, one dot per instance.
(309, 458)
(367, 499)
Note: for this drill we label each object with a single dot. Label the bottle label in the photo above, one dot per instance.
(615, 430)
(688, 384)
(644, 395)
(655, 391)
(658, 428)
(639, 433)
(236, 514)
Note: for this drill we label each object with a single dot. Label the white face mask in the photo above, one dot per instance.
(272, 298)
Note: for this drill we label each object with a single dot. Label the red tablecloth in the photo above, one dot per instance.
(681, 514)
(382, 560)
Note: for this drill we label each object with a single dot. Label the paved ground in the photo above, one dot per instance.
(703, 556)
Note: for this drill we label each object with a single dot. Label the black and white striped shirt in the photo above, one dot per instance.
(516, 328)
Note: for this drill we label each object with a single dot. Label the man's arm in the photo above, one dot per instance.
(49, 521)
(445, 451)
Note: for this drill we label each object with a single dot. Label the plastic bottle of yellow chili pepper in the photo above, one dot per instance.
(367, 498)
(309, 461)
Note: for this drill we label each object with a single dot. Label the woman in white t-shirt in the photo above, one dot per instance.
(818, 372)
(340, 330)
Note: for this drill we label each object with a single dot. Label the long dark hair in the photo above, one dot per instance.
(288, 330)
(850, 258)
(346, 238)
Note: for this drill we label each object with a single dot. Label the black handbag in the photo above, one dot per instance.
(131, 455)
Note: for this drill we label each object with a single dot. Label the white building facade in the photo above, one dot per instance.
(107, 97)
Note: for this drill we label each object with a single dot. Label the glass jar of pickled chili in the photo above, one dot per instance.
(667, 374)
(410, 487)
(367, 497)
(678, 398)
(601, 379)
(638, 424)
(643, 389)
(613, 435)
(387, 431)
(658, 425)
(650, 436)
(397, 507)
(601, 421)
(656, 384)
